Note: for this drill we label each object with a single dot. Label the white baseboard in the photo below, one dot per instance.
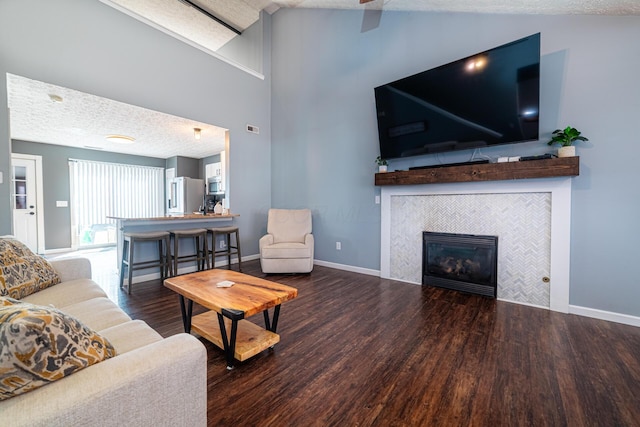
(185, 270)
(250, 257)
(523, 303)
(345, 267)
(605, 315)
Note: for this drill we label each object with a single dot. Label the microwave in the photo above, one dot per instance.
(215, 185)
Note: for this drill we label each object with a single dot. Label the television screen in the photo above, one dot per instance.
(486, 99)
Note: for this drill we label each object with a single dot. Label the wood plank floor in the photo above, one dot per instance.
(357, 350)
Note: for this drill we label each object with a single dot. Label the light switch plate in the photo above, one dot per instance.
(62, 204)
(1, 178)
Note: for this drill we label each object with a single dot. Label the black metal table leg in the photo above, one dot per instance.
(230, 342)
(272, 325)
(186, 314)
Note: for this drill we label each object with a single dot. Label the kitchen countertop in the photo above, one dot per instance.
(178, 217)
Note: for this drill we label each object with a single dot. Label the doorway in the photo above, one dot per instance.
(27, 200)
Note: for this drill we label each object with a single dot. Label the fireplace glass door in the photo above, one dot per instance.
(461, 262)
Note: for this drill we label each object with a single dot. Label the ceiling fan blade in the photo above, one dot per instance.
(372, 15)
(370, 19)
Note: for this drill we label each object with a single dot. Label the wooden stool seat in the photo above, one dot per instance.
(201, 253)
(163, 261)
(229, 249)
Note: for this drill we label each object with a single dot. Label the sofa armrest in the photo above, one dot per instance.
(160, 384)
(72, 268)
(309, 241)
(265, 240)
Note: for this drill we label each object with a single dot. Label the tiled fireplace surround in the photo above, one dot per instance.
(531, 217)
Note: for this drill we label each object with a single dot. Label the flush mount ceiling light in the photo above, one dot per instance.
(120, 139)
(197, 133)
(55, 98)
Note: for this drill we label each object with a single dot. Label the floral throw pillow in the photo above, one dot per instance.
(22, 272)
(39, 345)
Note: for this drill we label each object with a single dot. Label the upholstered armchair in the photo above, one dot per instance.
(288, 245)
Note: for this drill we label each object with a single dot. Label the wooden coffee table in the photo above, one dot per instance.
(229, 309)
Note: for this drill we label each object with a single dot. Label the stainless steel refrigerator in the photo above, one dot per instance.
(185, 195)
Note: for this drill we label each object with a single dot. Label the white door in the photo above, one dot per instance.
(26, 200)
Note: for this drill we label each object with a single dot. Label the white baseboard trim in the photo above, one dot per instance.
(345, 267)
(523, 303)
(605, 315)
(185, 270)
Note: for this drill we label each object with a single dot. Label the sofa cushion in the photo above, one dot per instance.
(39, 345)
(130, 335)
(22, 272)
(286, 250)
(67, 293)
(97, 313)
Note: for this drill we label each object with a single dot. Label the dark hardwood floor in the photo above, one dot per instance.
(356, 350)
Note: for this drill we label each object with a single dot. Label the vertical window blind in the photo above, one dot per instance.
(100, 189)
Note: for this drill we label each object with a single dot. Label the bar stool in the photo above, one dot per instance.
(163, 261)
(200, 255)
(229, 250)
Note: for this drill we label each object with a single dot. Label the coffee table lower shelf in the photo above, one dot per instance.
(251, 338)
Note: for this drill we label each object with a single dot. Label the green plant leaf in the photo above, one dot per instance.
(566, 136)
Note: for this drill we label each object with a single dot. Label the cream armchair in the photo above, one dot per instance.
(288, 245)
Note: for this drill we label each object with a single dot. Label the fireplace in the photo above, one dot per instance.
(462, 262)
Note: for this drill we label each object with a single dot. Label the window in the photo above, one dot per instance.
(100, 190)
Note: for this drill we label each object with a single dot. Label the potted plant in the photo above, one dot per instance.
(566, 137)
(382, 164)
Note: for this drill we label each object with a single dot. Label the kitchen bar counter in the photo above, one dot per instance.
(172, 219)
(163, 223)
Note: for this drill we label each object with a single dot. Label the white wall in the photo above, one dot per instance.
(91, 47)
(324, 134)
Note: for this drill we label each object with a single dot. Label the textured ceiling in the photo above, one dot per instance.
(82, 120)
(178, 18)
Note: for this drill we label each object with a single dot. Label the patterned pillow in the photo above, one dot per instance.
(39, 345)
(22, 272)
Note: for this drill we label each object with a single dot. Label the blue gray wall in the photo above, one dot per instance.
(88, 46)
(324, 135)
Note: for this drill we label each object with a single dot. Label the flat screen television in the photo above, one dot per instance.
(487, 99)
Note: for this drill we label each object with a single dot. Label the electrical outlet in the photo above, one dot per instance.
(377, 200)
(338, 246)
(223, 244)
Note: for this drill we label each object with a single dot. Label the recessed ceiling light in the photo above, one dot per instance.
(55, 98)
(120, 139)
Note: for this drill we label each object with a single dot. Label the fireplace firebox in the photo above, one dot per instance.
(462, 262)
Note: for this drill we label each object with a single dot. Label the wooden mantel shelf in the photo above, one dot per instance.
(565, 166)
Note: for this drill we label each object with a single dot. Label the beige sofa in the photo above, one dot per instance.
(151, 382)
